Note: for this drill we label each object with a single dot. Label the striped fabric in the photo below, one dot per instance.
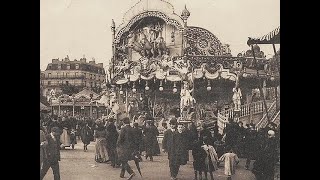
(271, 38)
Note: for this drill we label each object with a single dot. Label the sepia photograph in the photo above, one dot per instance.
(159, 89)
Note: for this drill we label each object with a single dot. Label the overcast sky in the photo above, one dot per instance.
(82, 27)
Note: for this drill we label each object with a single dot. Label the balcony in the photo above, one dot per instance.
(65, 77)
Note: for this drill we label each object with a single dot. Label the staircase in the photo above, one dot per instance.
(273, 114)
(246, 111)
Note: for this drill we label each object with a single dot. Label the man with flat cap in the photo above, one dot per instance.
(53, 154)
(172, 144)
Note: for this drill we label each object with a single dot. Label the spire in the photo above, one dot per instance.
(185, 13)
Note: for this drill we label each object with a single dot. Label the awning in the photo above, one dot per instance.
(271, 38)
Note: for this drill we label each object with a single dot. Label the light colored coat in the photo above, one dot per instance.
(230, 162)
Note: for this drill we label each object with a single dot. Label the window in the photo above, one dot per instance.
(85, 75)
(75, 74)
(49, 75)
(91, 84)
(68, 66)
(67, 82)
(66, 74)
(49, 83)
(57, 75)
(59, 66)
(77, 66)
(85, 83)
(58, 82)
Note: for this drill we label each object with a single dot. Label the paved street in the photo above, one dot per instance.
(79, 165)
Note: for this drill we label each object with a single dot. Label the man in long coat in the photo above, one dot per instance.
(53, 154)
(125, 147)
(175, 144)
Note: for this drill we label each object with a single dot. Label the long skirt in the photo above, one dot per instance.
(65, 138)
(101, 154)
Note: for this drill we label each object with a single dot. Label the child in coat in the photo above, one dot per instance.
(205, 158)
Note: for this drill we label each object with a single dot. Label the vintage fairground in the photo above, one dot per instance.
(163, 66)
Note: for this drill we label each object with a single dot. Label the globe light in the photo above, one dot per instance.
(209, 88)
(134, 90)
(160, 88)
(175, 90)
(121, 92)
(272, 78)
(244, 75)
(147, 88)
(141, 98)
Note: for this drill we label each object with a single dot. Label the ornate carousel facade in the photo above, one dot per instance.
(164, 67)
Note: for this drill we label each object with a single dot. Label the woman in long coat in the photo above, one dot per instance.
(100, 134)
(112, 136)
(65, 136)
(151, 143)
(86, 136)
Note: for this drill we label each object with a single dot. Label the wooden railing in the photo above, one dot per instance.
(245, 110)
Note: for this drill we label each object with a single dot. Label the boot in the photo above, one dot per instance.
(195, 175)
(131, 176)
(122, 173)
(211, 176)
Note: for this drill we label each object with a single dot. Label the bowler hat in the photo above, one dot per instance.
(55, 129)
(126, 120)
(173, 121)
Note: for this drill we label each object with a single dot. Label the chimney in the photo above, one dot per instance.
(55, 60)
(83, 60)
(92, 62)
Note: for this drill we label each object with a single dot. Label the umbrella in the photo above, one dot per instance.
(136, 159)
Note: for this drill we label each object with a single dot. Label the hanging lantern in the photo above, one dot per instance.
(161, 88)
(209, 86)
(174, 87)
(272, 78)
(134, 88)
(147, 87)
(121, 92)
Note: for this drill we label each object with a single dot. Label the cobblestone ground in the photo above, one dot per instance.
(79, 165)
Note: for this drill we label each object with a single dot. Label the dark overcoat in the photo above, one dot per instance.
(150, 140)
(175, 144)
(53, 149)
(126, 143)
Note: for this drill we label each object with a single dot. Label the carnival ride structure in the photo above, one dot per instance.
(156, 54)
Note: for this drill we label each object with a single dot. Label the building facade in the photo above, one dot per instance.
(77, 73)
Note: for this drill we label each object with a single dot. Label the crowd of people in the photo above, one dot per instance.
(118, 142)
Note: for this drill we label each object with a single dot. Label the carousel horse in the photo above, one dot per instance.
(133, 43)
(161, 46)
(146, 45)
